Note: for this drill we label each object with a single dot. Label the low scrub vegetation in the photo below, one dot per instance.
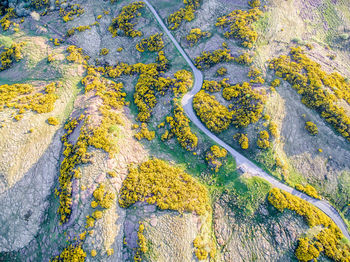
(10, 55)
(327, 241)
(187, 13)
(123, 21)
(168, 187)
(311, 128)
(179, 126)
(195, 35)
(71, 253)
(214, 115)
(154, 43)
(215, 156)
(209, 59)
(246, 104)
(319, 90)
(238, 25)
(25, 97)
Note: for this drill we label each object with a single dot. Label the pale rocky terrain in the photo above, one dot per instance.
(261, 237)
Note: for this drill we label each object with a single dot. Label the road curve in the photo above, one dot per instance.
(241, 160)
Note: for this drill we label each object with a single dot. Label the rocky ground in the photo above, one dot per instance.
(260, 237)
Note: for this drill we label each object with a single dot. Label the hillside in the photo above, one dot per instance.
(195, 130)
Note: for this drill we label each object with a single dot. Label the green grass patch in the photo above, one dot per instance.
(248, 194)
(193, 164)
(5, 41)
(227, 173)
(262, 24)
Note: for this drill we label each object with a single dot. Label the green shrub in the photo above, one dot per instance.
(247, 104)
(328, 240)
(187, 13)
(213, 114)
(168, 187)
(123, 21)
(154, 43)
(195, 35)
(53, 121)
(311, 128)
(312, 83)
(10, 55)
(237, 24)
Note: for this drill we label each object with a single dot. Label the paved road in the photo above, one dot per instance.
(240, 159)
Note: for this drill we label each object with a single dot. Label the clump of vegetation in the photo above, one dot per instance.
(168, 187)
(243, 141)
(104, 51)
(50, 58)
(187, 13)
(179, 126)
(10, 55)
(141, 243)
(256, 76)
(5, 20)
(237, 24)
(145, 133)
(56, 41)
(195, 35)
(309, 190)
(209, 59)
(221, 71)
(53, 121)
(24, 97)
(312, 83)
(183, 81)
(273, 128)
(254, 3)
(151, 81)
(75, 54)
(103, 198)
(328, 240)
(123, 21)
(214, 157)
(154, 43)
(68, 11)
(275, 83)
(200, 250)
(263, 140)
(111, 92)
(212, 86)
(71, 253)
(144, 96)
(73, 156)
(93, 253)
(81, 28)
(247, 104)
(40, 4)
(244, 59)
(311, 128)
(110, 251)
(213, 114)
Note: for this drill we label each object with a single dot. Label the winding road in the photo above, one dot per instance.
(242, 161)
